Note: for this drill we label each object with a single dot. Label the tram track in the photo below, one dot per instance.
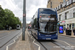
(55, 42)
(58, 45)
(43, 46)
(67, 47)
(40, 42)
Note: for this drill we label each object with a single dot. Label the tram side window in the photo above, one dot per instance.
(35, 23)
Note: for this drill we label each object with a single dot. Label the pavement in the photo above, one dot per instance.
(3, 31)
(22, 45)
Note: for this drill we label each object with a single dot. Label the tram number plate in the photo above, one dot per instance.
(48, 38)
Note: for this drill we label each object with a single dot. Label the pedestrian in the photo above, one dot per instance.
(74, 31)
(67, 30)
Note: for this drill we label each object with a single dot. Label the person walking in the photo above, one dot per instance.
(67, 30)
(74, 31)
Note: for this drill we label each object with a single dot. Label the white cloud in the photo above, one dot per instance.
(33, 6)
(17, 7)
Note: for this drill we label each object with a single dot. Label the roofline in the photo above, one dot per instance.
(48, 8)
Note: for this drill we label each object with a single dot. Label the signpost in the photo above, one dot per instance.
(24, 20)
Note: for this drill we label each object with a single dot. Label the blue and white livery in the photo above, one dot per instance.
(44, 24)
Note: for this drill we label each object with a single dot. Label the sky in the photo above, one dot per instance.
(17, 7)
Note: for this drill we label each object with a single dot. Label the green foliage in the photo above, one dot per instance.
(1, 26)
(2, 13)
(7, 17)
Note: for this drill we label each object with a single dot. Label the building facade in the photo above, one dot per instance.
(66, 16)
(53, 3)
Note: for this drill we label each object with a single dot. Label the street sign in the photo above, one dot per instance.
(24, 15)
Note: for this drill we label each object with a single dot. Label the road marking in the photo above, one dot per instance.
(34, 42)
(7, 47)
(64, 42)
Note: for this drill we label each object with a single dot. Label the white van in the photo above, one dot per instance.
(18, 27)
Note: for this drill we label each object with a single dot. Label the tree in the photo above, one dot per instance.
(7, 17)
(11, 20)
(2, 13)
(2, 16)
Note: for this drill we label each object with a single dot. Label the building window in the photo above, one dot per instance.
(71, 1)
(63, 0)
(73, 26)
(69, 26)
(66, 15)
(51, 4)
(59, 17)
(74, 13)
(60, 5)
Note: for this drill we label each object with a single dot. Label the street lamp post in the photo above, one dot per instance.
(24, 20)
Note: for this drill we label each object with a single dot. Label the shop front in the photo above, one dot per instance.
(62, 23)
(68, 27)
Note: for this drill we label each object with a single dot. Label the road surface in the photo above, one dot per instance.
(62, 43)
(7, 36)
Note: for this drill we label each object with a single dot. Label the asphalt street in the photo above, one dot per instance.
(7, 37)
(69, 40)
(42, 45)
(62, 43)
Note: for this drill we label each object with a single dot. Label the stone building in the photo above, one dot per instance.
(66, 16)
(53, 3)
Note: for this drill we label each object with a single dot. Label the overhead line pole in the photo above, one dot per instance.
(24, 20)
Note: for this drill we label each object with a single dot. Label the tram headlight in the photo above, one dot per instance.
(39, 33)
